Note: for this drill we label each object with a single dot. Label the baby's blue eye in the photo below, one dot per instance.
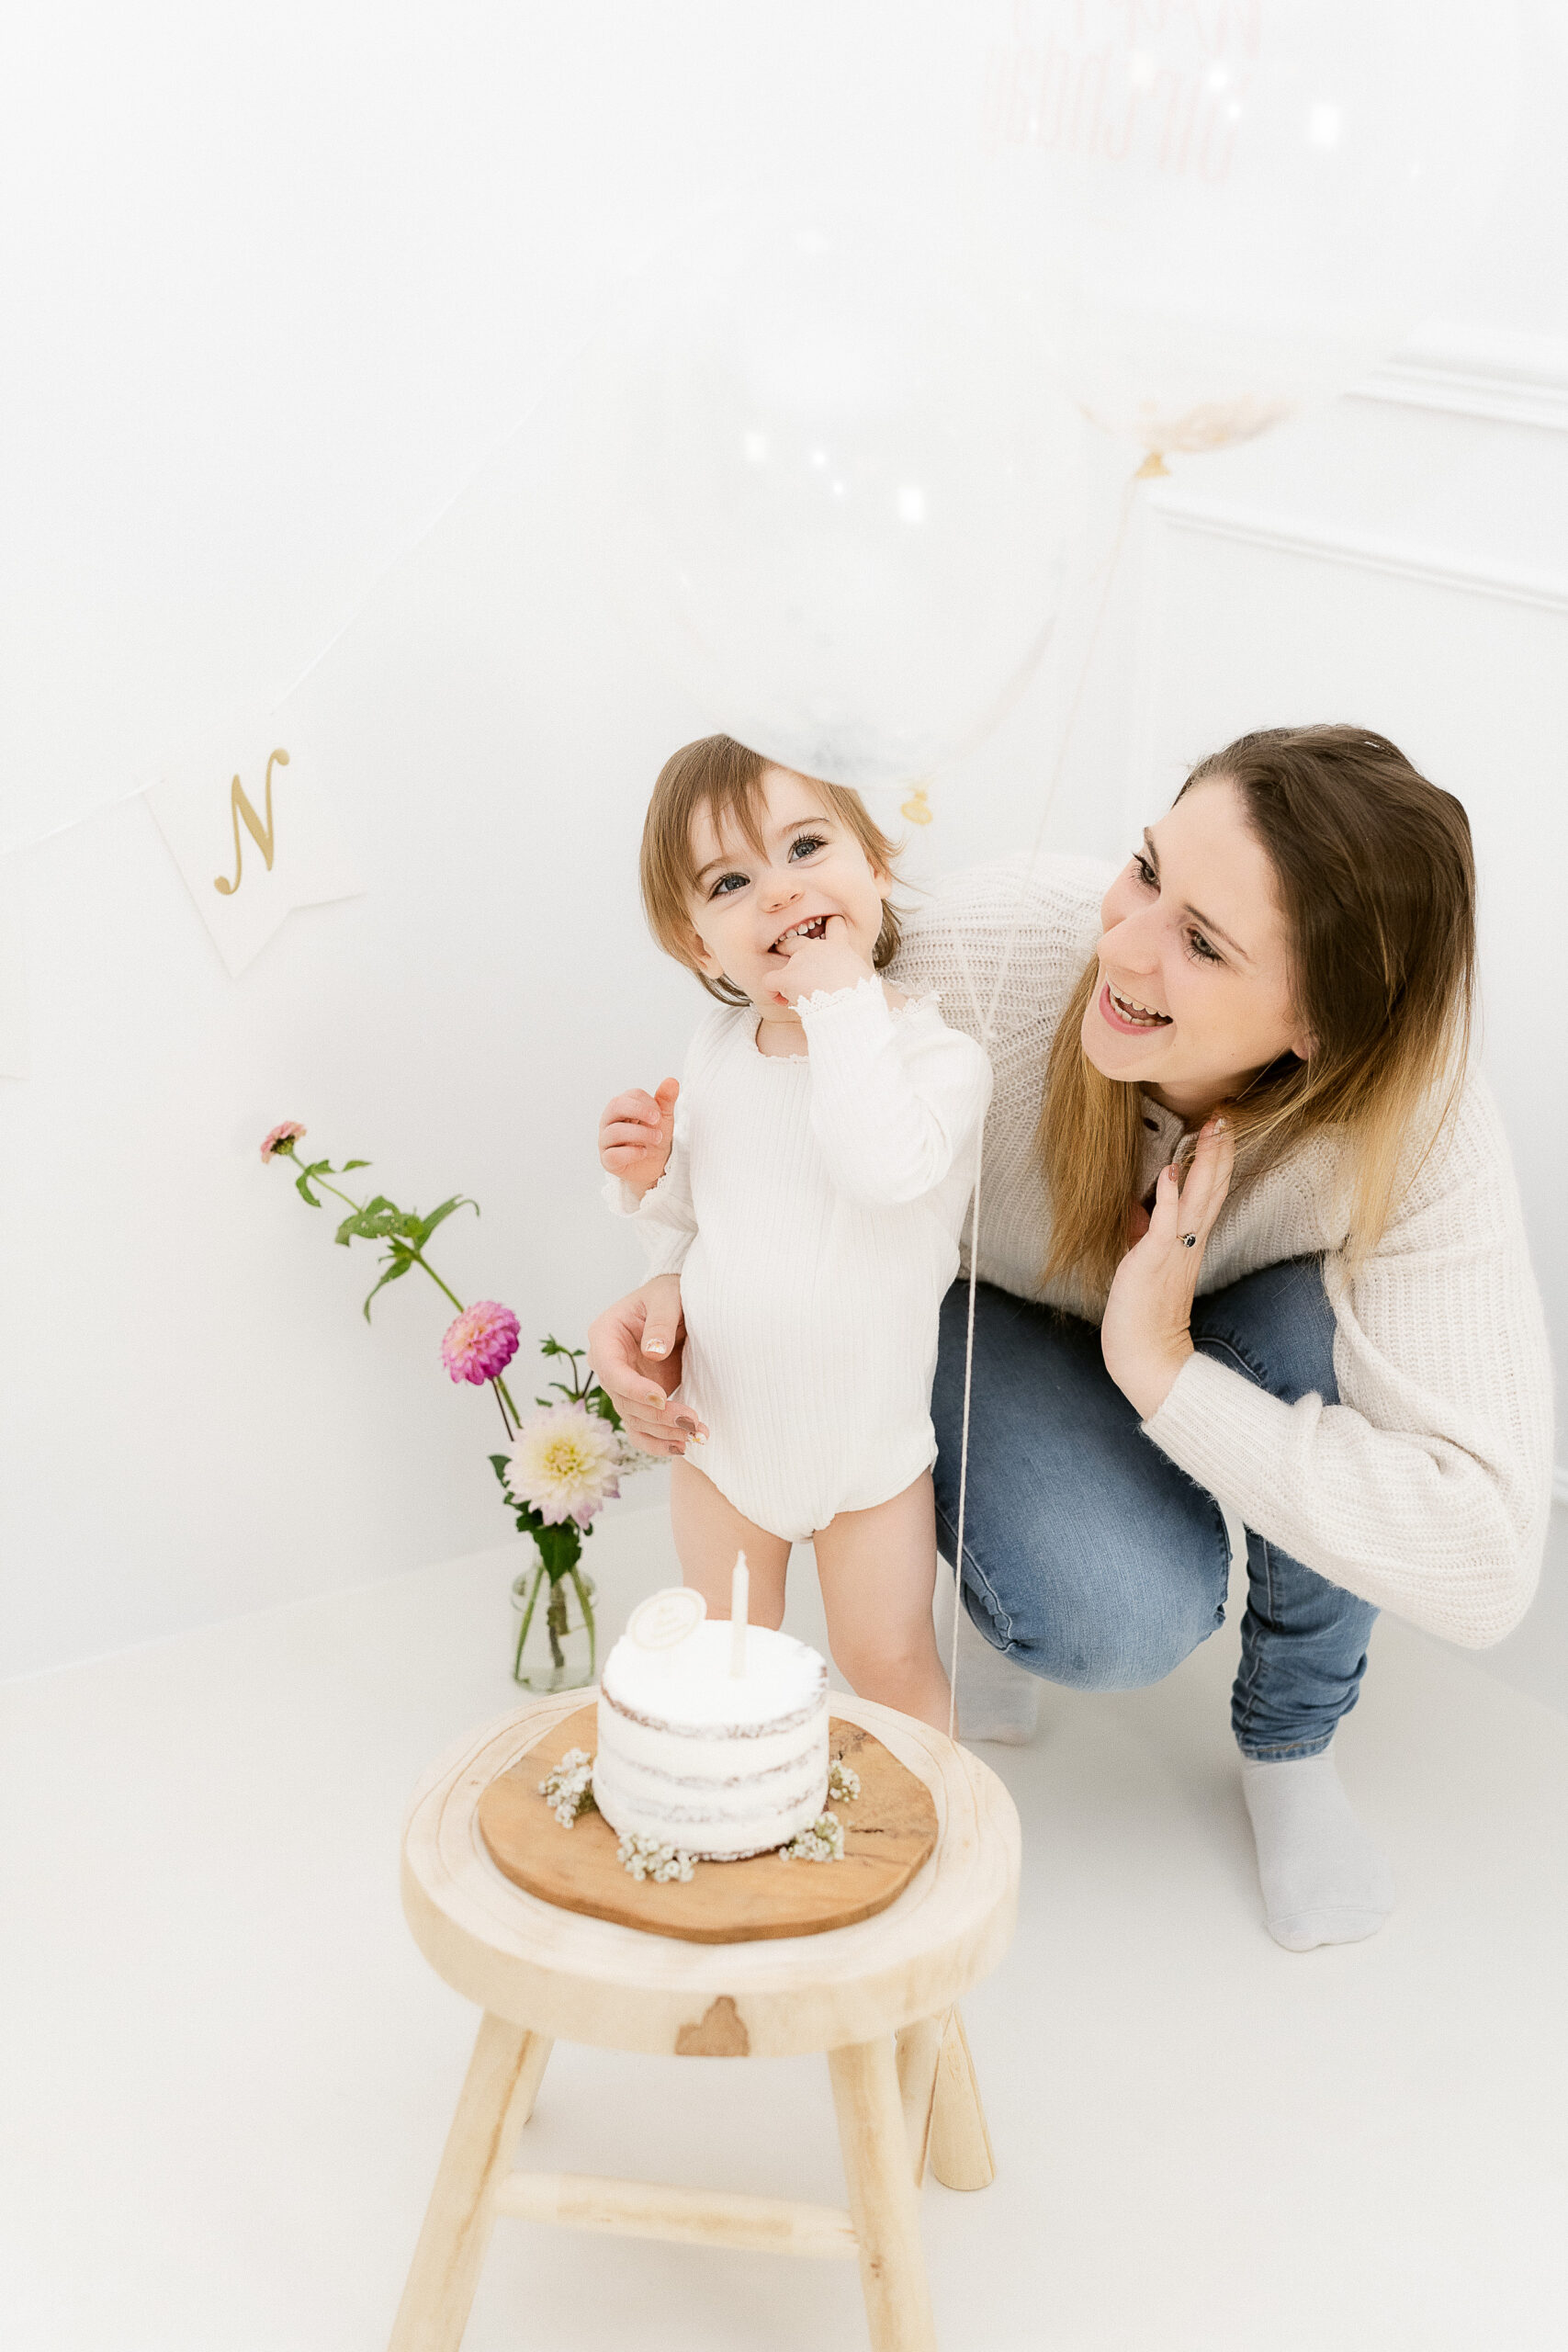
(726, 885)
(806, 845)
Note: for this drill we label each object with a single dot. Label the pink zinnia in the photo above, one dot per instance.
(286, 1133)
(481, 1343)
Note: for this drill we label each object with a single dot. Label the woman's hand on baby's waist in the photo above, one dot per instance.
(634, 1349)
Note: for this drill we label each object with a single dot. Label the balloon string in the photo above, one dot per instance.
(987, 1024)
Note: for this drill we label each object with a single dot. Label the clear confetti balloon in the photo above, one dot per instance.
(840, 481)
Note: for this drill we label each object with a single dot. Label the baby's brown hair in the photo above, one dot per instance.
(721, 776)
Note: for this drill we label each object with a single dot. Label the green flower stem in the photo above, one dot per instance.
(323, 1185)
(527, 1618)
(418, 1258)
(555, 1625)
(587, 1607)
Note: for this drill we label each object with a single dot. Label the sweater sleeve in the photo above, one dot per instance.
(1426, 1488)
(664, 1215)
(895, 1098)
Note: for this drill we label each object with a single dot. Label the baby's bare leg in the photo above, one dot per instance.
(878, 1570)
(708, 1532)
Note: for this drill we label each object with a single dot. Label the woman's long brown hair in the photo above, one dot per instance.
(1376, 880)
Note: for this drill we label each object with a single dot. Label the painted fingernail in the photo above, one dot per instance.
(1220, 1126)
(682, 1422)
(653, 1347)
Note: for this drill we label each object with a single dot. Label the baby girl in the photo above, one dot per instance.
(808, 1180)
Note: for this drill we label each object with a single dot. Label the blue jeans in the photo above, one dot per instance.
(1091, 1558)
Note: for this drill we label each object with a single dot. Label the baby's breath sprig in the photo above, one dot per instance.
(569, 1785)
(823, 1842)
(843, 1781)
(645, 1857)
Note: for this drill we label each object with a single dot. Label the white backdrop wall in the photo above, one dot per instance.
(197, 1421)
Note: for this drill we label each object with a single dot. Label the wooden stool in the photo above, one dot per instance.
(540, 1974)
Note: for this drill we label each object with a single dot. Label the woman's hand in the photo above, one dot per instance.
(635, 1350)
(1146, 1336)
(634, 1135)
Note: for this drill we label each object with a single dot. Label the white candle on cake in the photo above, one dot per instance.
(739, 1585)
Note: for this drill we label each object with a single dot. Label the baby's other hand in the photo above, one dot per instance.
(832, 962)
(634, 1135)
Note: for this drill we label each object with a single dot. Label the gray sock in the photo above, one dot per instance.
(1324, 1881)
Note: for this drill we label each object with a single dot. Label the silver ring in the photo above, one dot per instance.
(1190, 1239)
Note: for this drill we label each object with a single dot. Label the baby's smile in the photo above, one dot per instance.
(814, 927)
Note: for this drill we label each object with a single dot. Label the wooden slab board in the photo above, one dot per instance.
(890, 1829)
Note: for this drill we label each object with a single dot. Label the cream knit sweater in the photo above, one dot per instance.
(1426, 1489)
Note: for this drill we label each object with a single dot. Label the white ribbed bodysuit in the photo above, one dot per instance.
(812, 1207)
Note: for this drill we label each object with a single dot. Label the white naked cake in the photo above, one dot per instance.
(716, 1763)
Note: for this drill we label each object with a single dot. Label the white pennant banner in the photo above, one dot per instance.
(248, 817)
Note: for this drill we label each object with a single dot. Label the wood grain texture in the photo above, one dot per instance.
(918, 2049)
(497, 2097)
(882, 2198)
(648, 2209)
(890, 1830)
(587, 1980)
(960, 2145)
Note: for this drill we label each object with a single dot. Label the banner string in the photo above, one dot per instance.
(987, 1023)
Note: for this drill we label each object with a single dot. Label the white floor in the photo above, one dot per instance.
(229, 2073)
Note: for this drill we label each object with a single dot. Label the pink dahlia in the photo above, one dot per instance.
(284, 1137)
(481, 1343)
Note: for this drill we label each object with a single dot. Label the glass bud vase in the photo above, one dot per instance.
(557, 1646)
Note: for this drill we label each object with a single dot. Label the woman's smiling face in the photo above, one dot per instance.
(810, 866)
(1193, 998)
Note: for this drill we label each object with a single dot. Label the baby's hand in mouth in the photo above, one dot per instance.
(820, 954)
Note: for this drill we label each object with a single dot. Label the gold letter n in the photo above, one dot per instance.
(260, 833)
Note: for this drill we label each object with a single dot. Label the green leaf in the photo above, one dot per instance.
(553, 1348)
(398, 1266)
(354, 1163)
(598, 1402)
(301, 1187)
(560, 1547)
(376, 1221)
(425, 1226)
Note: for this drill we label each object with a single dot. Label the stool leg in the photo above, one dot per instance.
(960, 2143)
(497, 2099)
(919, 2048)
(882, 2197)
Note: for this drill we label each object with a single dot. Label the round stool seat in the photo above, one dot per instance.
(580, 1979)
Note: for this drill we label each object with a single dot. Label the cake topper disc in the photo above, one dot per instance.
(667, 1617)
